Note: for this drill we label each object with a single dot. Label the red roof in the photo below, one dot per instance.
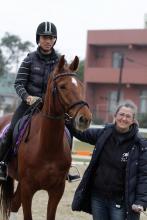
(118, 37)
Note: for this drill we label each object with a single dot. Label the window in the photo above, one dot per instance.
(143, 101)
(112, 97)
(112, 101)
(116, 59)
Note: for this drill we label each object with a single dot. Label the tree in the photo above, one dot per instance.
(2, 64)
(81, 70)
(142, 118)
(12, 50)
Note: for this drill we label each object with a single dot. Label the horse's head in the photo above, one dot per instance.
(68, 94)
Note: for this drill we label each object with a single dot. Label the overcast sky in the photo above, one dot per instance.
(72, 17)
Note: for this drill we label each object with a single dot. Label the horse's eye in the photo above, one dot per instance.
(62, 87)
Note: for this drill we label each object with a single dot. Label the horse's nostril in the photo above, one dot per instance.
(82, 119)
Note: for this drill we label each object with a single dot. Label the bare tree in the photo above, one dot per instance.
(12, 49)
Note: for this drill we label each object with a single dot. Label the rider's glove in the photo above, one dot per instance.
(31, 99)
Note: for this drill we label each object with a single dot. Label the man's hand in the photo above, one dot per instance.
(137, 208)
(31, 99)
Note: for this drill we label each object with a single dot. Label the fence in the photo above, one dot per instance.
(82, 151)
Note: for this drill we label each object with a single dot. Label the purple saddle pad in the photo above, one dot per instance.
(2, 134)
(18, 133)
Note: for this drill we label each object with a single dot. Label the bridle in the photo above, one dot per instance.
(55, 92)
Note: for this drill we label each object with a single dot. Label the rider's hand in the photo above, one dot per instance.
(137, 208)
(31, 99)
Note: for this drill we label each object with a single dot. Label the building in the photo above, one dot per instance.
(115, 69)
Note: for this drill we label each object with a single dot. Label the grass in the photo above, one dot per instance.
(82, 146)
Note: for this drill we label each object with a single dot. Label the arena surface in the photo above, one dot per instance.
(64, 211)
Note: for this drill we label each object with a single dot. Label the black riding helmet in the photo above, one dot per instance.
(46, 28)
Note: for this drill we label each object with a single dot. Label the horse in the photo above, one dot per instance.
(44, 160)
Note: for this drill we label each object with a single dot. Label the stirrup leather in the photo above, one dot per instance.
(74, 177)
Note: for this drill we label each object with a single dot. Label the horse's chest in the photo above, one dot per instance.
(54, 169)
(51, 174)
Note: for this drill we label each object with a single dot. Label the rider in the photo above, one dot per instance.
(31, 82)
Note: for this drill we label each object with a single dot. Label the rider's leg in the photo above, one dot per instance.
(6, 141)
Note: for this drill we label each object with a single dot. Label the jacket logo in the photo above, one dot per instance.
(124, 157)
(37, 68)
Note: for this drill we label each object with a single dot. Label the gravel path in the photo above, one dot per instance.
(64, 211)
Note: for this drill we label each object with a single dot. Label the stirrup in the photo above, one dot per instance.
(3, 171)
(74, 177)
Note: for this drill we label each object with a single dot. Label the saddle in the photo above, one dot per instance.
(20, 129)
(21, 126)
(18, 132)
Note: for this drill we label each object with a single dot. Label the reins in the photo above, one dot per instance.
(53, 116)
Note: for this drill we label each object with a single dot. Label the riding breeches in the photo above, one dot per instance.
(20, 111)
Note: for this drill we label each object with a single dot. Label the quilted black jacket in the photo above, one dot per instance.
(33, 74)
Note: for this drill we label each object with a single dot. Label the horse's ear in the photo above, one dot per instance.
(74, 65)
(61, 63)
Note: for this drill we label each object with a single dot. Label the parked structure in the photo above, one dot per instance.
(116, 69)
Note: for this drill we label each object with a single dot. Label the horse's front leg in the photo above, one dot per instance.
(16, 203)
(55, 194)
(26, 199)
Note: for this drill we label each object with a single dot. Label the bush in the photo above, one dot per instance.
(142, 119)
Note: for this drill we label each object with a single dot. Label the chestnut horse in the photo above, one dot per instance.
(44, 160)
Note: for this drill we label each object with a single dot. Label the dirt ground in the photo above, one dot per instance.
(64, 211)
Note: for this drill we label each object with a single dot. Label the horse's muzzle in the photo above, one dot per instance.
(82, 122)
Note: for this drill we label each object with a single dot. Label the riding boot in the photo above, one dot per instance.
(5, 144)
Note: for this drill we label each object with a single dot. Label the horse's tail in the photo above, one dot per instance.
(6, 194)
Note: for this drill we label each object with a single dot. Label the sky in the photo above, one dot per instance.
(73, 18)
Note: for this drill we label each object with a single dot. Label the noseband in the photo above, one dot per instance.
(65, 116)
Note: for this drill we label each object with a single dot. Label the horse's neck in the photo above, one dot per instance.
(51, 134)
(52, 128)
(52, 105)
